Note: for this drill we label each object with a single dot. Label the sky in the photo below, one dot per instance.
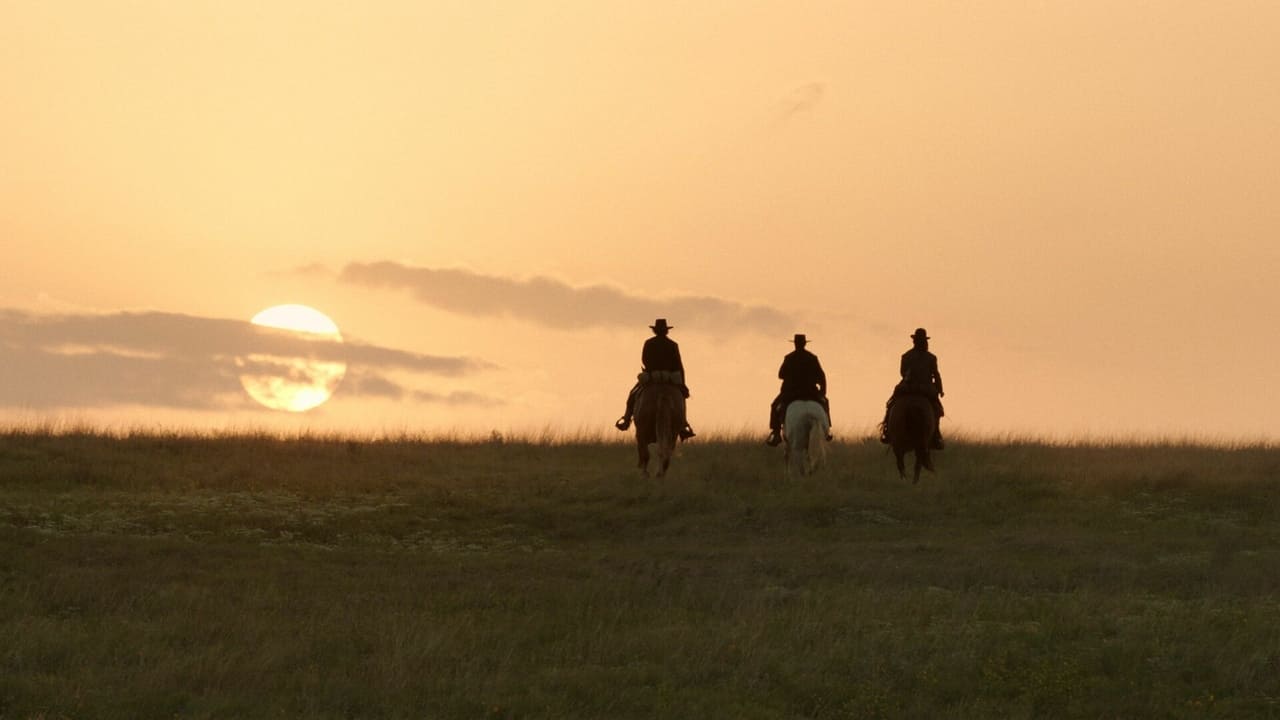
(494, 200)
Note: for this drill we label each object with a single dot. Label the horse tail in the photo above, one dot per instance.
(806, 431)
(667, 419)
(921, 432)
(915, 427)
(662, 418)
(817, 438)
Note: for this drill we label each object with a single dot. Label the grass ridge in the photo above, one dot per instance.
(150, 574)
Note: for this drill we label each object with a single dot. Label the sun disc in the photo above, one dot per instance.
(293, 383)
(298, 318)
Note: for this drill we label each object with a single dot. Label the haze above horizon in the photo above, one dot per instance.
(494, 201)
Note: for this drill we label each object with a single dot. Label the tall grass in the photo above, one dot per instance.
(149, 574)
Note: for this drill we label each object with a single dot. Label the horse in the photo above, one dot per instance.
(909, 428)
(805, 430)
(658, 419)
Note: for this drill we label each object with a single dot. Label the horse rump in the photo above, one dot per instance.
(659, 415)
(805, 429)
(909, 428)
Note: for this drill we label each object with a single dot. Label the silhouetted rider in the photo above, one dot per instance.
(660, 354)
(802, 379)
(920, 376)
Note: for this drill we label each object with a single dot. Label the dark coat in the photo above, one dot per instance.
(802, 376)
(661, 353)
(919, 370)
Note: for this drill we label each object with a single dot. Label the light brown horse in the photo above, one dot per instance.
(909, 428)
(659, 417)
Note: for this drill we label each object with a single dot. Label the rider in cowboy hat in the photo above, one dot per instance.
(919, 371)
(660, 354)
(802, 379)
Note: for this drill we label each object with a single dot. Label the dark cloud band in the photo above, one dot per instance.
(175, 360)
(556, 304)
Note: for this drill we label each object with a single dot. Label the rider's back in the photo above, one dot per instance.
(661, 353)
(801, 373)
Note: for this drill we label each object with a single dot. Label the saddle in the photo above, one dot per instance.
(906, 388)
(661, 377)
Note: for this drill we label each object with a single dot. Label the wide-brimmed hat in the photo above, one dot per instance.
(660, 324)
(920, 334)
(799, 339)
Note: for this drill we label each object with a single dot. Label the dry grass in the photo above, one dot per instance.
(166, 575)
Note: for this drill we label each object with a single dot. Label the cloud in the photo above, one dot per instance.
(800, 100)
(556, 304)
(310, 270)
(174, 360)
(40, 379)
(366, 384)
(371, 385)
(458, 398)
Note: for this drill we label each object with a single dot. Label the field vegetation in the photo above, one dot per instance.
(162, 575)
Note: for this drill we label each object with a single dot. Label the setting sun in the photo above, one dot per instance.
(299, 318)
(292, 383)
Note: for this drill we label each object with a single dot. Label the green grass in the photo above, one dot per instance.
(252, 576)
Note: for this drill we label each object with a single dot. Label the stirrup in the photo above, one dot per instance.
(623, 423)
(774, 439)
(686, 432)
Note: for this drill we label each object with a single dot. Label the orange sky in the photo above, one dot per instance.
(1076, 199)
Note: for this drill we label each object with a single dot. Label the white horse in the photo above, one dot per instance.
(805, 430)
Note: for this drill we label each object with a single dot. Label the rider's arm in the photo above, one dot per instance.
(937, 376)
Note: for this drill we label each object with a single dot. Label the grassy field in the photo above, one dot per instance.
(170, 576)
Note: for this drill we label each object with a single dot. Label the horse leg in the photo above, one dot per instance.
(643, 448)
(916, 479)
(667, 448)
(902, 465)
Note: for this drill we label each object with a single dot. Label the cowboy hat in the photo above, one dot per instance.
(661, 324)
(799, 339)
(920, 334)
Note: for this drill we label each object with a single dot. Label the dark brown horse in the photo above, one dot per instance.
(659, 417)
(909, 428)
